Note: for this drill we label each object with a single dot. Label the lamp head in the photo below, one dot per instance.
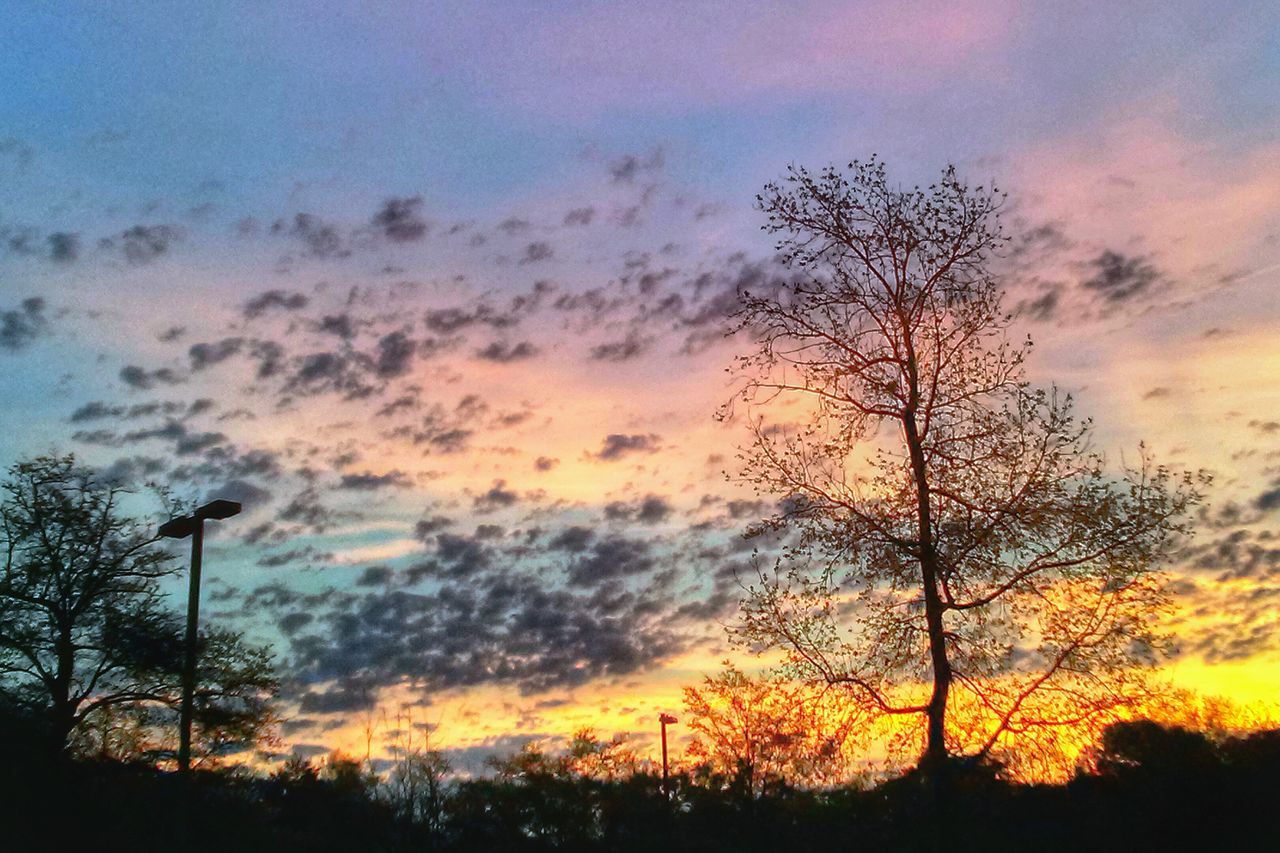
(218, 509)
(178, 528)
(181, 528)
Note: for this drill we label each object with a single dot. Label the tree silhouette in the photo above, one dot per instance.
(85, 639)
(417, 785)
(757, 731)
(1144, 746)
(958, 554)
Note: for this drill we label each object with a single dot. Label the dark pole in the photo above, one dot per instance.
(180, 528)
(189, 663)
(666, 786)
(666, 783)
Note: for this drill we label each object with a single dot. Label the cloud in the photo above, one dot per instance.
(337, 324)
(739, 509)
(653, 509)
(400, 220)
(187, 444)
(1268, 500)
(294, 555)
(1241, 553)
(1118, 277)
(369, 481)
(270, 358)
(396, 351)
(573, 539)
(610, 559)
(504, 353)
(426, 528)
(64, 247)
(1043, 307)
(496, 498)
(443, 430)
(462, 556)
(306, 509)
(489, 531)
(375, 576)
(537, 251)
(227, 461)
(616, 446)
(451, 320)
(498, 628)
(321, 239)
(250, 495)
(580, 216)
(627, 168)
(185, 441)
(20, 326)
(291, 623)
(513, 225)
(345, 697)
(204, 355)
(142, 379)
(142, 244)
(274, 299)
(133, 470)
(343, 372)
(632, 346)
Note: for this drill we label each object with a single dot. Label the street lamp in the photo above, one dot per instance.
(180, 528)
(665, 719)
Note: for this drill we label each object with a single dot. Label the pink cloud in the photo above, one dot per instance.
(693, 54)
(1140, 179)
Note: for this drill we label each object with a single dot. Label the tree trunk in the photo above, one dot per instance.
(62, 710)
(935, 751)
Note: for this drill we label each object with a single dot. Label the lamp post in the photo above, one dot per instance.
(180, 528)
(665, 719)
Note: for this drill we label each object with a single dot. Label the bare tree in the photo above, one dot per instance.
(417, 786)
(953, 534)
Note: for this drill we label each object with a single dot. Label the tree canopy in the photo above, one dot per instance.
(957, 551)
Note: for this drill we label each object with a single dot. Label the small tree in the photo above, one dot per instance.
(417, 786)
(84, 635)
(769, 729)
(953, 530)
(417, 789)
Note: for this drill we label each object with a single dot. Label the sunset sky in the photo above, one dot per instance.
(438, 290)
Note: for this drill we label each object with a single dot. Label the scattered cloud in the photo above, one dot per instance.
(616, 446)
(400, 220)
(20, 326)
(270, 300)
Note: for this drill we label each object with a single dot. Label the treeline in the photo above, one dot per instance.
(1145, 787)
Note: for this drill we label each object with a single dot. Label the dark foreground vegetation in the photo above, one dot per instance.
(1147, 787)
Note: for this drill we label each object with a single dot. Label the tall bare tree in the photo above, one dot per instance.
(952, 529)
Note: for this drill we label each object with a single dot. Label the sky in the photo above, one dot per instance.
(438, 291)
